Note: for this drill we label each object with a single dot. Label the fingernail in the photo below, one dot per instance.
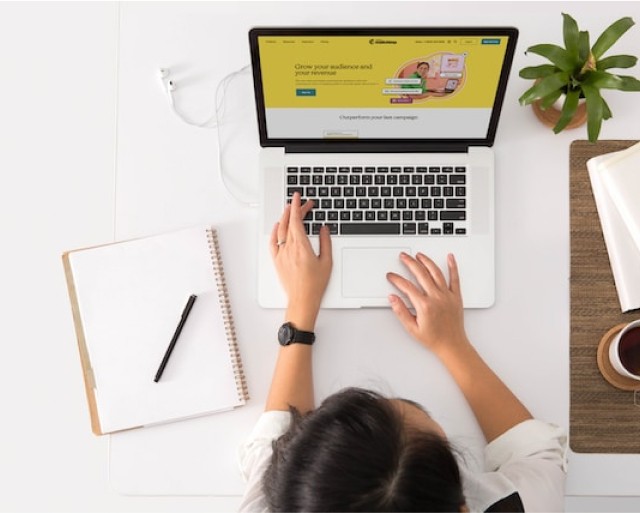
(392, 299)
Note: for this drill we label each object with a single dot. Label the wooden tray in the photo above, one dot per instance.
(603, 417)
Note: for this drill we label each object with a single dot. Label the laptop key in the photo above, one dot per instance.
(409, 228)
(370, 228)
(453, 215)
(456, 203)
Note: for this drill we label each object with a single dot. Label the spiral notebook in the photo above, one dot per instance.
(127, 299)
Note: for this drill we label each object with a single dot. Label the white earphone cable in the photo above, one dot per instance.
(217, 117)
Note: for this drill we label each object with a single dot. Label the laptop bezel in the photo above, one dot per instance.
(380, 144)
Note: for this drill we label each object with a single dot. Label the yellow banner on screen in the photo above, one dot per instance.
(381, 72)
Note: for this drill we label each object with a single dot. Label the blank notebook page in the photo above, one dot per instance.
(131, 296)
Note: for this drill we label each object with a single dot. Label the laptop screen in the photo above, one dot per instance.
(379, 84)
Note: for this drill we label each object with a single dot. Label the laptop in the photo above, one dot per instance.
(347, 118)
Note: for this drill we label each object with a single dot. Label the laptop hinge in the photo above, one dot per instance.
(381, 147)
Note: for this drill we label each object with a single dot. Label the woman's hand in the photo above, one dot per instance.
(438, 323)
(303, 274)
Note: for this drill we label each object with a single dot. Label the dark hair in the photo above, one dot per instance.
(354, 453)
(423, 62)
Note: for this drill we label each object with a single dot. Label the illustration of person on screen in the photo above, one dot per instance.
(421, 72)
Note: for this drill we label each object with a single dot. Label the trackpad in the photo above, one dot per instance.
(364, 271)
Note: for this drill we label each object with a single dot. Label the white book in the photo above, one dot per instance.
(621, 177)
(127, 299)
(624, 254)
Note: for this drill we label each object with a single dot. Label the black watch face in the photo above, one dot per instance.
(285, 334)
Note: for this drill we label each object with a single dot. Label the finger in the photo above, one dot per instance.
(296, 228)
(454, 275)
(434, 270)
(421, 273)
(406, 318)
(283, 225)
(326, 254)
(405, 286)
(308, 205)
(273, 242)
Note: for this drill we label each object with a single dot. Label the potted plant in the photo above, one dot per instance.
(579, 71)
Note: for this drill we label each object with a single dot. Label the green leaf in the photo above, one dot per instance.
(556, 54)
(534, 72)
(595, 111)
(606, 114)
(617, 61)
(568, 110)
(583, 46)
(545, 87)
(611, 35)
(570, 33)
(550, 99)
(629, 83)
(604, 80)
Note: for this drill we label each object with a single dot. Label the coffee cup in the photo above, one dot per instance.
(624, 352)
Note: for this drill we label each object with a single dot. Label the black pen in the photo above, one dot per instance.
(174, 339)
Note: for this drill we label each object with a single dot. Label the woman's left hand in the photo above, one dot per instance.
(303, 274)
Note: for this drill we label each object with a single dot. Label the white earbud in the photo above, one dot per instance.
(167, 84)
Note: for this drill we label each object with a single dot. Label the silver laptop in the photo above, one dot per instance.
(389, 131)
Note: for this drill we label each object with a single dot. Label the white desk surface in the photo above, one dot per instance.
(94, 153)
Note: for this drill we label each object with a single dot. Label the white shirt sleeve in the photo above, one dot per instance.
(533, 456)
(255, 456)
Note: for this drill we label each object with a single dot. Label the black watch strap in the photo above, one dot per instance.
(288, 334)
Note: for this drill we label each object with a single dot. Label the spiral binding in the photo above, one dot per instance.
(223, 297)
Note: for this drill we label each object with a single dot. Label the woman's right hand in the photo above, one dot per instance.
(438, 323)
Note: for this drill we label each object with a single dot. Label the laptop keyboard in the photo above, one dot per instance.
(382, 200)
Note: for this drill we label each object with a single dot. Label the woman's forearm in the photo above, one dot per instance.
(495, 407)
(292, 383)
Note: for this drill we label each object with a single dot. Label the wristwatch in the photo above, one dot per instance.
(287, 335)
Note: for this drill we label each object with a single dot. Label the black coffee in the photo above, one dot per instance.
(629, 351)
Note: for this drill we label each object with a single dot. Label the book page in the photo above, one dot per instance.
(131, 296)
(624, 256)
(621, 176)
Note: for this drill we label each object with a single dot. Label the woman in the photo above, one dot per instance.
(360, 451)
(421, 72)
